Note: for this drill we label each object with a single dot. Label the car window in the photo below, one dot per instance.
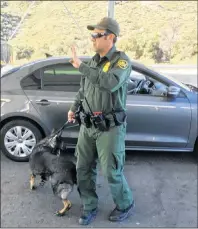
(136, 75)
(32, 82)
(142, 84)
(61, 77)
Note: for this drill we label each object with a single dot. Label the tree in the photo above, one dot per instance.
(168, 38)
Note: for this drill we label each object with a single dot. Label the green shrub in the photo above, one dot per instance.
(24, 52)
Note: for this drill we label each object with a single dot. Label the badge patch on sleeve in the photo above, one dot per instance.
(106, 67)
(122, 64)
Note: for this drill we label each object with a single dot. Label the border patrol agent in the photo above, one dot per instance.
(103, 122)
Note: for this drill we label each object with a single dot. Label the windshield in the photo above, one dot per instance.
(6, 70)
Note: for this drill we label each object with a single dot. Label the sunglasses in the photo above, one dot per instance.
(99, 35)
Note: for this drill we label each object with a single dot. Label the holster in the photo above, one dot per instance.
(85, 119)
(77, 114)
(119, 117)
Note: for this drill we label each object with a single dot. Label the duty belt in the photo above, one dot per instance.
(97, 112)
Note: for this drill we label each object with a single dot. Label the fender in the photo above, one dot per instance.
(27, 116)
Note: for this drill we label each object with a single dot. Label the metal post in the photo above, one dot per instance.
(111, 8)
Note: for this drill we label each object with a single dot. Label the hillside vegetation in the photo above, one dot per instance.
(151, 31)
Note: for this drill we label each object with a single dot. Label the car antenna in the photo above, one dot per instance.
(77, 24)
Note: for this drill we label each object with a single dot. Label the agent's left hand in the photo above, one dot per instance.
(75, 61)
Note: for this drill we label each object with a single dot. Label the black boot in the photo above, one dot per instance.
(87, 217)
(118, 215)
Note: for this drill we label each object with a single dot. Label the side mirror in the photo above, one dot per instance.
(173, 92)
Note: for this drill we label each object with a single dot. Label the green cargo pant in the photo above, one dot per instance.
(109, 148)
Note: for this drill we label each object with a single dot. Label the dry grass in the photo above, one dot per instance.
(51, 29)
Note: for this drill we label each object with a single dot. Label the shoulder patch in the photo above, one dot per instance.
(122, 64)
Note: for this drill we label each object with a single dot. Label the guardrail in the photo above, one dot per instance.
(177, 69)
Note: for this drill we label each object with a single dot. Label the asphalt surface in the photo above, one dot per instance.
(164, 186)
(188, 78)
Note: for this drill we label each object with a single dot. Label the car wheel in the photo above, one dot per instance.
(18, 138)
(196, 149)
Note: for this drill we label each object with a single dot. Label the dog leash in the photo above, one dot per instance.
(59, 132)
(65, 127)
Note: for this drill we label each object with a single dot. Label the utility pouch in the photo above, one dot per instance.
(100, 122)
(119, 117)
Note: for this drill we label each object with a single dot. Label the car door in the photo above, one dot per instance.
(154, 121)
(58, 87)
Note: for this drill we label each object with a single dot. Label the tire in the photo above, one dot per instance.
(22, 146)
(195, 152)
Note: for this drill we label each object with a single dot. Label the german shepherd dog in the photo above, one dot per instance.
(51, 161)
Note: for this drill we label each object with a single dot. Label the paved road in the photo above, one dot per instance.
(185, 78)
(164, 187)
(183, 75)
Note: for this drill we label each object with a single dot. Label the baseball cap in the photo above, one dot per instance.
(107, 24)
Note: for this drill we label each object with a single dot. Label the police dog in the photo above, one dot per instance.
(51, 161)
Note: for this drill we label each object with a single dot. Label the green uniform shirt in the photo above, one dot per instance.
(104, 82)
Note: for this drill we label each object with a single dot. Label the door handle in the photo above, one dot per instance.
(43, 102)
